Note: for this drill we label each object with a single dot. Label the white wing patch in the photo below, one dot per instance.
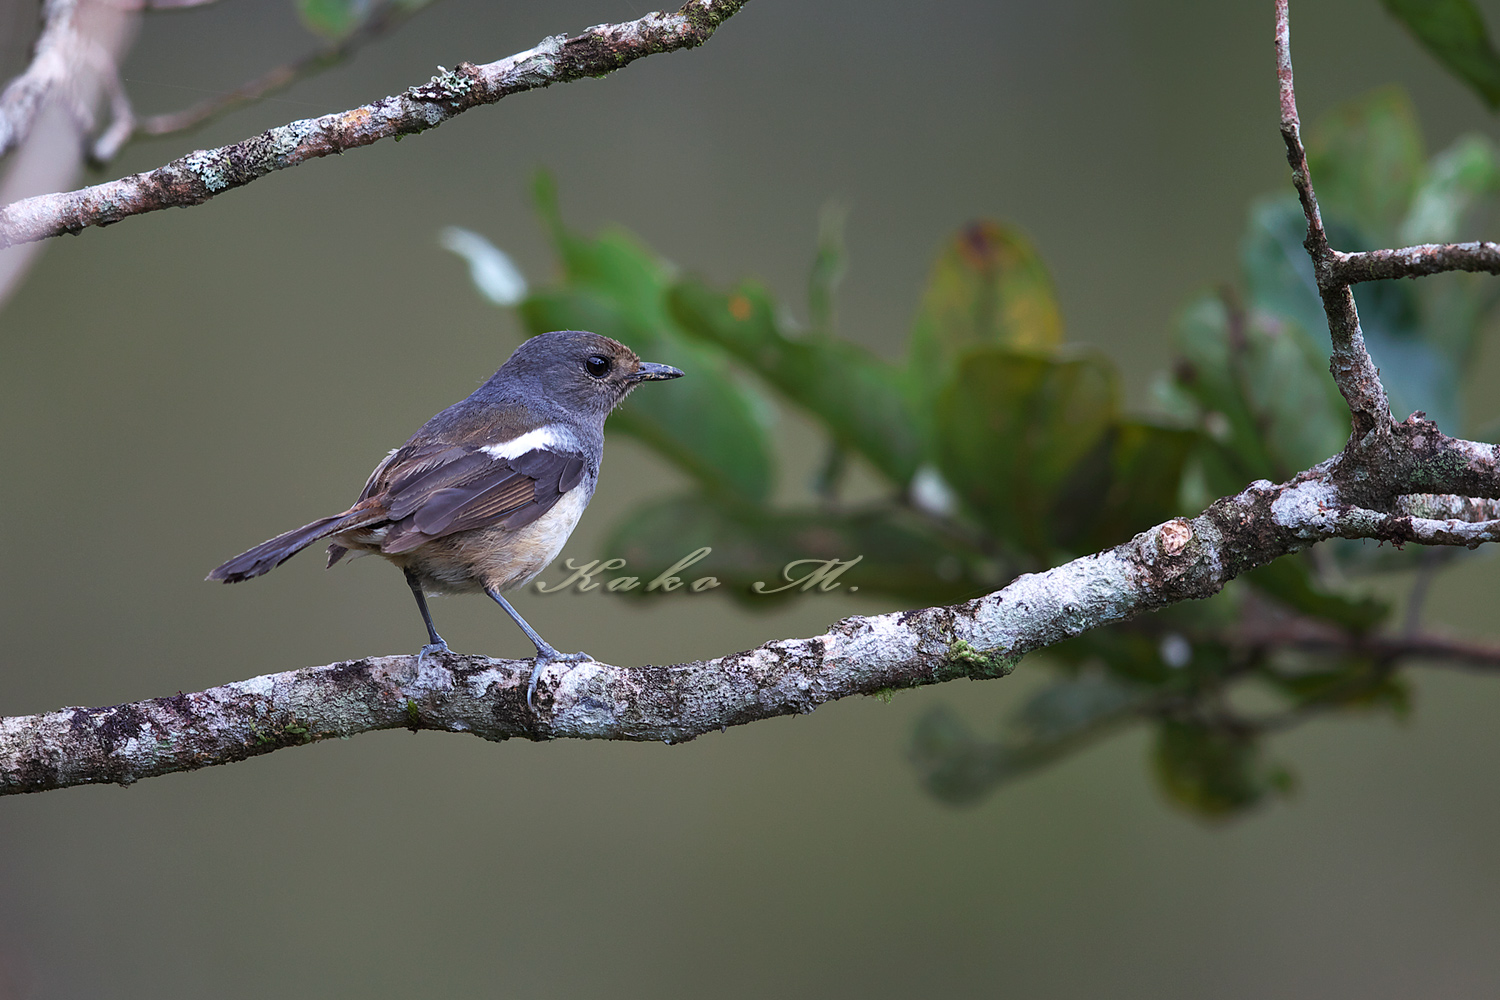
(551, 436)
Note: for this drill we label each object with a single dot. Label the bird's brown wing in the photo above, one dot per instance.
(436, 492)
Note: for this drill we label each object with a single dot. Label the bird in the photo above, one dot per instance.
(483, 496)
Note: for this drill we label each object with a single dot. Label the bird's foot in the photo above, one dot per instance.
(543, 658)
(431, 649)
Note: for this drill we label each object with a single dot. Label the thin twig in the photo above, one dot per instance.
(383, 20)
(1415, 262)
(196, 178)
(1353, 371)
(1270, 634)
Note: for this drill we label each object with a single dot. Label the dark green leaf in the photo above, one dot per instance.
(1453, 31)
(708, 423)
(1013, 427)
(899, 552)
(1130, 483)
(864, 402)
(1354, 683)
(1213, 771)
(1209, 372)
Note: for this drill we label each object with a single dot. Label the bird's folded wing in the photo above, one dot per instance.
(436, 490)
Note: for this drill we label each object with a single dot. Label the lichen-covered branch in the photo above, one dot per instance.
(1415, 262)
(201, 175)
(1183, 559)
(1448, 507)
(1353, 371)
(382, 20)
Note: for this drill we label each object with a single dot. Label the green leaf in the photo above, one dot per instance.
(1280, 410)
(613, 264)
(987, 288)
(899, 553)
(1454, 307)
(708, 422)
(1138, 489)
(1013, 427)
(1366, 161)
(1213, 771)
(1357, 683)
(332, 18)
(1456, 179)
(863, 401)
(1208, 373)
(1453, 32)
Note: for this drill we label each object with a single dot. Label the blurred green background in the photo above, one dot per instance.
(182, 386)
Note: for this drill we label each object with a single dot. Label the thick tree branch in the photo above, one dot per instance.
(1404, 482)
(1180, 560)
(1448, 507)
(1353, 371)
(201, 175)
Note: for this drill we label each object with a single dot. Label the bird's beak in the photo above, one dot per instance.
(650, 371)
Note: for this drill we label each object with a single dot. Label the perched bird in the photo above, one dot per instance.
(483, 496)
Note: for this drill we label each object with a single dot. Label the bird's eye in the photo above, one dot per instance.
(598, 366)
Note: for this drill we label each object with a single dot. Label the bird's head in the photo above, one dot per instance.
(581, 371)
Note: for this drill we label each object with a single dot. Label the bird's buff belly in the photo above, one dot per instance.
(494, 558)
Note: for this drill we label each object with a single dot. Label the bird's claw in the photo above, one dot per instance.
(431, 649)
(543, 658)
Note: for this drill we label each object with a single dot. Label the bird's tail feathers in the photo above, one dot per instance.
(268, 555)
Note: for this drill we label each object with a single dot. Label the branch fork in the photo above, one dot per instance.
(1397, 482)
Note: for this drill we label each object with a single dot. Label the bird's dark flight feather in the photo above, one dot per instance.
(467, 493)
(427, 492)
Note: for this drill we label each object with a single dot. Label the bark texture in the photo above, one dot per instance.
(199, 176)
(1182, 559)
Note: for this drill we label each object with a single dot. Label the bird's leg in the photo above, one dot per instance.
(545, 654)
(436, 643)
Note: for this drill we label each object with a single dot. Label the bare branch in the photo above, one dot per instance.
(56, 47)
(1415, 262)
(1353, 371)
(1312, 636)
(384, 19)
(201, 175)
(1173, 562)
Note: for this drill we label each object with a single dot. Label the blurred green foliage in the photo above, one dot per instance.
(1001, 448)
(332, 19)
(336, 20)
(1453, 31)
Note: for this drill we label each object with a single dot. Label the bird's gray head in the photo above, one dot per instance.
(580, 371)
